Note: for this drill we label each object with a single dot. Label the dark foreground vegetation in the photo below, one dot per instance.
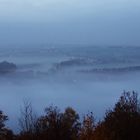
(120, 123)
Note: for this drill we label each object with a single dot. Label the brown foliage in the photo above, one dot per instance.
(120, 123)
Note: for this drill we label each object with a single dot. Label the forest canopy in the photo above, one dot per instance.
(122, 122)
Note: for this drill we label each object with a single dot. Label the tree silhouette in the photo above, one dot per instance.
(56, 125)
(120, 123)
(27, 122)
(70, 124)
(5, 133)
(123, 122)
(88, 127)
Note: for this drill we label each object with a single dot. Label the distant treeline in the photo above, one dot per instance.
(120, 123)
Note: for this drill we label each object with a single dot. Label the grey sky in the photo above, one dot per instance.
(97, 22)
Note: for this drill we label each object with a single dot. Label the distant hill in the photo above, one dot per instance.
(6, 67)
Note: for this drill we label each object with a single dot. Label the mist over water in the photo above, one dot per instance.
(86, 78)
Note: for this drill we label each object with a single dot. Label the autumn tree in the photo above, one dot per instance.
(88, 127)
(55, 125)
(123, 121)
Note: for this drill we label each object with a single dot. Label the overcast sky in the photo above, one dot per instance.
(96, 22)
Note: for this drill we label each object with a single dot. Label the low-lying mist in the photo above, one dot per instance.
(80, 78)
